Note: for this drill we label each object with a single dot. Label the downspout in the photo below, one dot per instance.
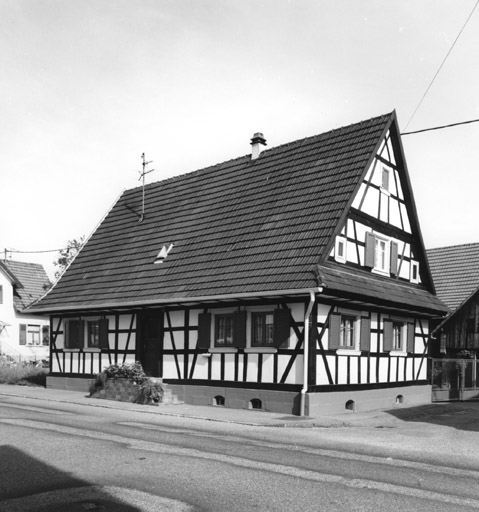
(304, 390)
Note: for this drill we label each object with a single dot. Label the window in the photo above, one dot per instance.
(96, 333)
(93, 330)
(385, 179)
(262, 329)
(33, 335)
(414, 272)
(223, 330)
(1, 294)
(340, 250)
(347, 339)
(381, 254)
(398, 336)
(349, 330)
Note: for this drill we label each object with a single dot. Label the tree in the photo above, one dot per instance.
(66, 256)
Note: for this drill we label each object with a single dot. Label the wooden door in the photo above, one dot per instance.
(151, 342)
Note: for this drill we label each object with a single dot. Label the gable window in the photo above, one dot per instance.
(349, 332)
(340, 250)
(381, 254)
(414, 272)
(385, 179)
(223, 330)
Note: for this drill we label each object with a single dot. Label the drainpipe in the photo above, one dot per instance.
(304, 390)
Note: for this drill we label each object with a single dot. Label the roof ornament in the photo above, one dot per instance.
(143, 173)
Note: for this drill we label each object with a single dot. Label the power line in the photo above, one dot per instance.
(441, 127)
(442, 64)
(33, 252)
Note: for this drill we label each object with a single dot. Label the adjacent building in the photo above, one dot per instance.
(24, 336)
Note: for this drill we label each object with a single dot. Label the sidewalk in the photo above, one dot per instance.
(463, 415)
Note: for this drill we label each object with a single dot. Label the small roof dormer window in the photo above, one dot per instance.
(165, 250)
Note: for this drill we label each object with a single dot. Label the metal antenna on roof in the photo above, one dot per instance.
(143, 173)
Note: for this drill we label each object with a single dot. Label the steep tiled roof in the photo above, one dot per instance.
(241, 227)
(31, 282)
(455, 271)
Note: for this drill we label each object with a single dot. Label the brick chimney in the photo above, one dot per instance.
(257, 142)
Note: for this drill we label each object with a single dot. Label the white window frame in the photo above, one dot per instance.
(30, 341)
(414, 269)
(340, 242)
(354, 349)
(403, 325)
(220, 349)
(385, 267)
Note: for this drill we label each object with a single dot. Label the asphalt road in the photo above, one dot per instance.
(66, 457)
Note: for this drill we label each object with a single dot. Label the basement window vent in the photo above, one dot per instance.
(165, 250)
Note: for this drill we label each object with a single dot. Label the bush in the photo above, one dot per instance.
(23, 375)
(132, 371)
(150, 391)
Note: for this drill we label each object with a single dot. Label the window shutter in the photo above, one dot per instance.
(410, 337)
(281, 327)
(104, 333)
(394, 259)
(239, 326)
(388, 336)
(23, 334)
(46, 335)
(365, 339)
(204, 330)
(369, 250)
(74, 333)
(334, 334)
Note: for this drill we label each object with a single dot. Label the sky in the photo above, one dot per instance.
(87, 86)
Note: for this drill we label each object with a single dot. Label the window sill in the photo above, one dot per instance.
(92, 349)
(260, 350)
(398, 353)
(380, 272)
(71, 350)
(223, 350)
(348, 352)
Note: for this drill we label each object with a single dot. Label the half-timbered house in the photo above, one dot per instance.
(293, 279)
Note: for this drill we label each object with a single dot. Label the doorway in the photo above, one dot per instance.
(151, 342)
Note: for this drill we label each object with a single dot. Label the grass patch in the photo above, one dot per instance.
(23, 375)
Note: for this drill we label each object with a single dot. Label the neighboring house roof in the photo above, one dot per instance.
(30, 282)
(455, 271)
(242, 228)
